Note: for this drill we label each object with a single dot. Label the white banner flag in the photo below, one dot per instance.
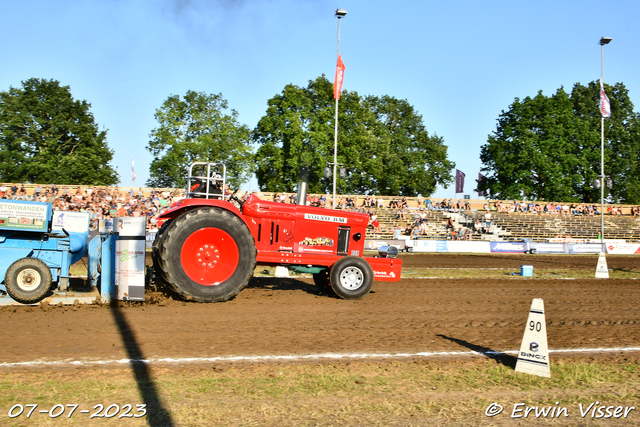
(133, 172)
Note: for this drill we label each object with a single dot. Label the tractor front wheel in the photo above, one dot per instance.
(207, 255)
(28, 280)
(351, 277)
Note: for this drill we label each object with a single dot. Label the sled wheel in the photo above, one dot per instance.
(207, 255)
(28, 280)
(321, 280)
(351, 277)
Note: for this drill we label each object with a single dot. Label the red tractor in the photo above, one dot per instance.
(208, 248)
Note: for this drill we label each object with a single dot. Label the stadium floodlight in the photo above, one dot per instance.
(340, 13)
(603, 40)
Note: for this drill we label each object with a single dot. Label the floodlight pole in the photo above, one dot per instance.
(603, 41)
(340, 13)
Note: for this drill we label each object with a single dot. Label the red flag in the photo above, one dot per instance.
(337, 83)
(481, 193)
(459, 181)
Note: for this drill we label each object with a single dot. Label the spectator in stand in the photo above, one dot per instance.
(487, 221)
(401, 213)
(449, 224)
(14, 190)
(466, 234)
(422, 216)
(454, 234)
(477, 227)
(373, 221)
(349, 202)
(517, 207)
(3, 191)
(635, 211)
(423, 228)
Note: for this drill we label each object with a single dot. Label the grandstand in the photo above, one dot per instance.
(506, 224)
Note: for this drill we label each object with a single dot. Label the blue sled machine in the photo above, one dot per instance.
(37, 247)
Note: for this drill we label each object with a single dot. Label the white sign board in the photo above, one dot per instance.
(130, 256)
(77, 222)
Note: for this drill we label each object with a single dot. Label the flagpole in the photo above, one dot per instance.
(603, 41)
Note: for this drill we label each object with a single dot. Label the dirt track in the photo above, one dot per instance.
(288, 316)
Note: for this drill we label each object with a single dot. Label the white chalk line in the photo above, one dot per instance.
(291, 358)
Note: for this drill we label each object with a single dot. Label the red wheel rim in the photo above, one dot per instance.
(209, 256)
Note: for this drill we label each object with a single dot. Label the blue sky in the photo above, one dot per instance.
(459, 63)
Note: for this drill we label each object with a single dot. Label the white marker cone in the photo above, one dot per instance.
(533, 357)
(602, 272)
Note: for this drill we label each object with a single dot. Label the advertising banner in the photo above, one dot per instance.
(622, 248)
(25, 216)
(550, 248)
(466, 246)
(130, 254)
(77, 222)
(508, 247)
(423, 245)
(105, 226)
(585, 248)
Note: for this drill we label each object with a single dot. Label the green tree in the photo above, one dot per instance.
(48, 137)
(197, 129)
(381, 140)
(548, 148)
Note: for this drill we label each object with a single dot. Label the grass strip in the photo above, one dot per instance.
(378, 393)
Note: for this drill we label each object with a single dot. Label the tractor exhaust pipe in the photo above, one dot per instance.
(303, 186)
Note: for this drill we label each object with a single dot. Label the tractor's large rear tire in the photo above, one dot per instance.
(28, 280)
(206, 255)
(157, 278)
